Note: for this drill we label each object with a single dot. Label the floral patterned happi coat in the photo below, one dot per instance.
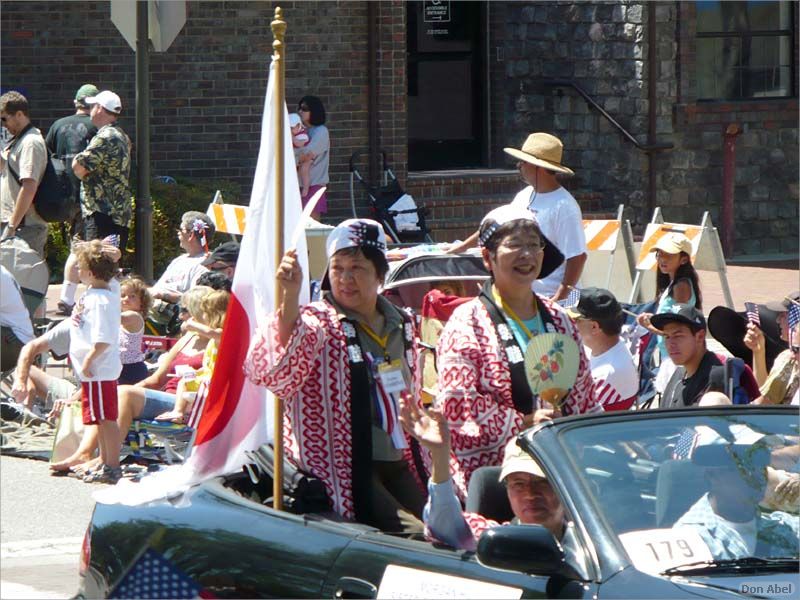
(475, 388)
(311, 374)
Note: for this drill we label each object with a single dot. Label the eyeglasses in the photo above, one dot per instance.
(218, 266)
(304, 109)
(514, 246)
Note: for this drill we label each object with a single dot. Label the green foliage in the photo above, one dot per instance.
(170, 201)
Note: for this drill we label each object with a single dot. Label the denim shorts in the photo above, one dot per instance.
(155, 403)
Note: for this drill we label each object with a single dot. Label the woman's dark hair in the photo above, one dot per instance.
(685, 271)
(316, 109)
(373, 255)
(519, 226)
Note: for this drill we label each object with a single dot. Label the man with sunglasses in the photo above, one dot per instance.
(22, 164)
(223, 259)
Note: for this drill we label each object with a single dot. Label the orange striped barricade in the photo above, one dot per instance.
(232, 219)
(604, 239)
(227, 218)
(706, 250)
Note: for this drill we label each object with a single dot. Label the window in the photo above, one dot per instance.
(744, 49)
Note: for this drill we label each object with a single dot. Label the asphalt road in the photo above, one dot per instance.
(42, 522)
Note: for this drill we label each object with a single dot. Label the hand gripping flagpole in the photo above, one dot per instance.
(278, 26)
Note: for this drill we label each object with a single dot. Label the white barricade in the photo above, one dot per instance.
(604, 240)
(706, 250)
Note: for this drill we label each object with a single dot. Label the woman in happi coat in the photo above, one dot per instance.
(483, 389)
(340, 365)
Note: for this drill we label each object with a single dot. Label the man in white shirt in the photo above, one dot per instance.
(556, 211)
(598, 317)
(15, 321)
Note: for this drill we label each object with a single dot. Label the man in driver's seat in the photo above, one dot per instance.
(728, 517)
(532, 498)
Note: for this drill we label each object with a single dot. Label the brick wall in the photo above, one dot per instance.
(208, 89)
(766, 180)
(207, 100)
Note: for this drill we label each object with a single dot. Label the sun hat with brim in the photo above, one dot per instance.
(673, 243)
(783, 305)
(108, 100)
(543, 150)
(687, 315)
(87, 90)
(353, 233)
(729, 327)
(294, 119)
(507, 213)
(516, 460)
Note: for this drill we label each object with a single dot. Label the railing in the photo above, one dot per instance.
(593, 104)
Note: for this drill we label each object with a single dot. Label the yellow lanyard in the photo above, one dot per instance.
(381, 341)
(508, 310)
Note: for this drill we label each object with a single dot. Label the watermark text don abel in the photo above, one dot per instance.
(780, 588)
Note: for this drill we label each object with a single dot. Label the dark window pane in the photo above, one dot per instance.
(714, 16)
(717, 59)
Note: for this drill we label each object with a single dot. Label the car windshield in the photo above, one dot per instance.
(705, 489)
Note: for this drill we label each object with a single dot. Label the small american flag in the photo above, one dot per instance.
(793, 317)
(153, 576)
(112, 239)
(685, 445)
(751, 308)
(572, 298)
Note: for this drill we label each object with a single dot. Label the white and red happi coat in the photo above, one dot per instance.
(475, 388)
(311, 374)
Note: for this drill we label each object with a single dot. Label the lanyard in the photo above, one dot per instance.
(508, 310)
(381, 341)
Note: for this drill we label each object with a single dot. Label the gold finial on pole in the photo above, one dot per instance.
(278, 26)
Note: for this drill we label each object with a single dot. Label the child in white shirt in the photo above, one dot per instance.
(94, 352)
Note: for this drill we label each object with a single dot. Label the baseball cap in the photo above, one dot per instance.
(673, 243)
(507, 213)
(227, 252)
(108, 100)
(595, 303)
(783, 305)
(87, 90)
(516, 460)
(688, 315)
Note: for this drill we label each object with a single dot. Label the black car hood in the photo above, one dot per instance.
(758, 586)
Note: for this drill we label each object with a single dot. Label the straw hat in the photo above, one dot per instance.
(543, 150)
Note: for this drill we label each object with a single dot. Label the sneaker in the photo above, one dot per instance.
(64, 308)
(104, 474)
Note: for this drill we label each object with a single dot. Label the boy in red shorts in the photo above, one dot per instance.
(94, 352)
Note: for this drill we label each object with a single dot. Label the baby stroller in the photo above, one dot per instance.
(433, 286)
(396, 210)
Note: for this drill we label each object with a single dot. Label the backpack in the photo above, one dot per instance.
(55, 199)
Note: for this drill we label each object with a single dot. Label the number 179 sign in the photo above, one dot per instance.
(656, 550)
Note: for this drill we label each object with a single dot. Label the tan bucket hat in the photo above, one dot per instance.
(543, 150)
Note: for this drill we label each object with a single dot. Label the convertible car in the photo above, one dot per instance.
(646, 495)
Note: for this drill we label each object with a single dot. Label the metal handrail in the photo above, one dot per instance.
(593, 104)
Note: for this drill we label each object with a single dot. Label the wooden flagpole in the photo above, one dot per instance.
(278, 26)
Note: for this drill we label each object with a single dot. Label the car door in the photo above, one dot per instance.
(359, 570)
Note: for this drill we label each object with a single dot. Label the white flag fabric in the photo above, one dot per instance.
(236, 414)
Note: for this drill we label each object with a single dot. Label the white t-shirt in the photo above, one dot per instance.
(13, 313)
(616, 381)
(96, 319)
(560, 220)
(181, 274)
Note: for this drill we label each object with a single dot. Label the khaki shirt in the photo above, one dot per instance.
(28, 158)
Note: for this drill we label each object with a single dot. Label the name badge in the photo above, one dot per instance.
(391, 376)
